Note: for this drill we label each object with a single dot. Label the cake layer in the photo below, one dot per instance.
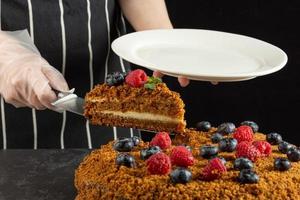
(130, 120)
(142, 116)
(125, 98)
(98, 177)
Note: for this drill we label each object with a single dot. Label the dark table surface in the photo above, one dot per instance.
(39, 174)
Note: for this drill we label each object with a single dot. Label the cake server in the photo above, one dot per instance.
(68, 101)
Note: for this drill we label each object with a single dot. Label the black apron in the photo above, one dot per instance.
(74, 36)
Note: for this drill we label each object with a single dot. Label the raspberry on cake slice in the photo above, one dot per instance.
(135, 100)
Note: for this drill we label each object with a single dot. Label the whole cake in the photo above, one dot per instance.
(135, 100)
(226, 162)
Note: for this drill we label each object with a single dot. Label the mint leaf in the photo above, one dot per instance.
(149, 86)
(151, 82)
(154, 80)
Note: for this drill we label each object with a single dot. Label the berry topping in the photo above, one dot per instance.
(214, 169)
(181, 157)
(216, 137)
(222, 159)
(136, 140)
(284, 147)
(282, 164)
(242, 163)
(161, 139)
(252, 124)
(228, 144)
(123, 144)
(203, 126)
(274, 138)
(115, 78)
(125, 160)
(263, 147)
(242, 145)
(181, 175)
(226, 128)
(248, 176)
(293, 154)
(247, 150)
(243, 133)
(159, 163)
(209, 151)
(136, 78)
(146, 153)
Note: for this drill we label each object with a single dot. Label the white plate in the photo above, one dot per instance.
(201, 54)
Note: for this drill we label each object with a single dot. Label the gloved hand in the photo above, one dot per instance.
(26, 79)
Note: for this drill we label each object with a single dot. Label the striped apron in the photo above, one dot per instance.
(74, 36)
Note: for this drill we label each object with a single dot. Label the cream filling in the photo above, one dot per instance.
(100, 100)
(142, 116)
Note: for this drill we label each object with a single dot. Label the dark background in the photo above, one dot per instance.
(273, 101)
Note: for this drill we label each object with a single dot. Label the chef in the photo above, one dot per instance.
(73, 39)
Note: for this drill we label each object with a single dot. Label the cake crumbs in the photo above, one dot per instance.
(98, 177)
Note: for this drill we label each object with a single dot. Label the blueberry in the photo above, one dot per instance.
(146, 153)
(125, 160)
(284, 147)
(115, 78)
(226, 128)
(242, 163)
(119, 76)
(248, 176)
(181, 175)
(252, 124)
(136, 140)
(123, 144)
(274, 138)
(203, 126)
(208, 151)
(109, 80)
(228, 144)
(282, 164)
(293, 154)
(216, 137)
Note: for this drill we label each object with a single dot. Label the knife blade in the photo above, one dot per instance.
(68, 101)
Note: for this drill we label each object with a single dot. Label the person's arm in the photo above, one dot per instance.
(148, 14)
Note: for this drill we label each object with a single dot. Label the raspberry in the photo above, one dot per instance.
(159, 163)
(263, 147)
(181, 157)
(247, 150)
(161, 139)
(136, 78)
(214, 169)
(242, 145)
(243, 133)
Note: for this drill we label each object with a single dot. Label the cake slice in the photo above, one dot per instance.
(135, 101)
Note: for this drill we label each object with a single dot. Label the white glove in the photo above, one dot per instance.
(26, 79)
